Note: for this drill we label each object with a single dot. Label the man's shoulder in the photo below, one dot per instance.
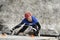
(33, 17)
(24, 19)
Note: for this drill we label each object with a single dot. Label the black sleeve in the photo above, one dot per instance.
(17, 26)
(39, 26)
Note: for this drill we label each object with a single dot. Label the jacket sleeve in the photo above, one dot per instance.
(19, 25)
(39, 26)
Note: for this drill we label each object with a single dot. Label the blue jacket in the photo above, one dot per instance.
(34, 21)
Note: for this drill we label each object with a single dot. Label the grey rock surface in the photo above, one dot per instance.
(27, 38)
(46, 11)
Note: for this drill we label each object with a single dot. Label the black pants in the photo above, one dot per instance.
(25, 27)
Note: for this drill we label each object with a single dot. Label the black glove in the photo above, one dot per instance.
(12, 29)
(36, 33)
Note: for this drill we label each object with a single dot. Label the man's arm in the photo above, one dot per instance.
(37, 23)
(39, 26)
(17, 26)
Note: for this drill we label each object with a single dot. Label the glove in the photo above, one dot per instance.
(12, 30)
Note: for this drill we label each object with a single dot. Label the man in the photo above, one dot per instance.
(29, 20)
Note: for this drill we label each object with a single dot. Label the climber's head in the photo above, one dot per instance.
(28, 16)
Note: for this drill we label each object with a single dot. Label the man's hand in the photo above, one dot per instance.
(12, 30)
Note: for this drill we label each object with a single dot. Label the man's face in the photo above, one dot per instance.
(29, 19)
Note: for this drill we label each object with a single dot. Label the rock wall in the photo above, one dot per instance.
(46, 11)
(26, 38)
